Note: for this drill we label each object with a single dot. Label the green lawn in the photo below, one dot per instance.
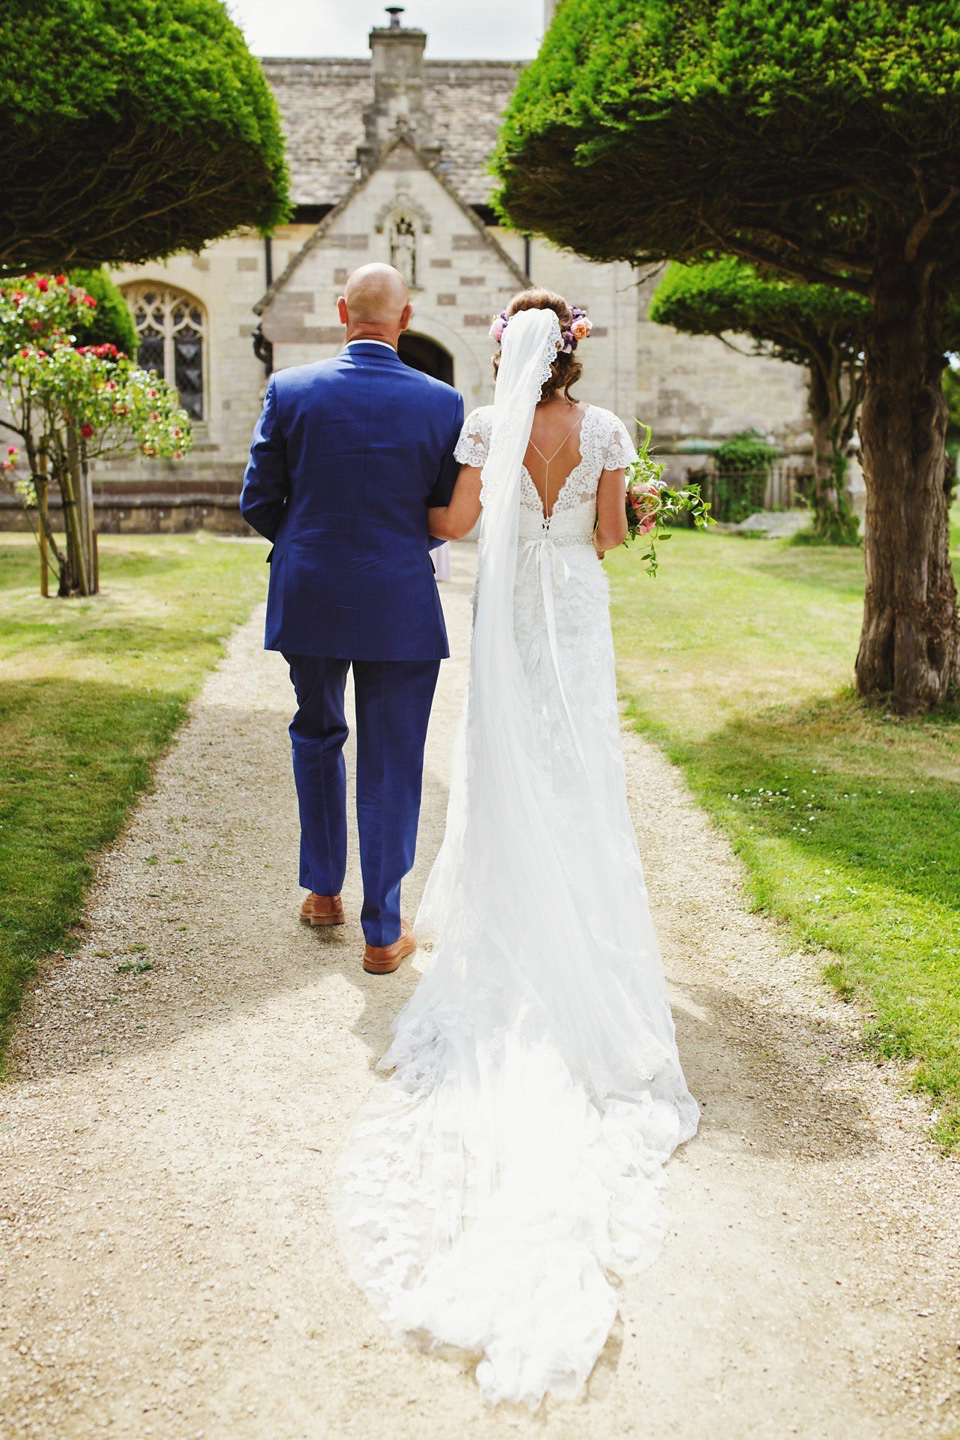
(90, 694)
(738, 661)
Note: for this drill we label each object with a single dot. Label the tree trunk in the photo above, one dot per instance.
(40, 485)
(910, 641)
(39, 470)
(73, 576)
(832, 413)
(89, 525)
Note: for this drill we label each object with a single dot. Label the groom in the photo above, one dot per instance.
(347, 456)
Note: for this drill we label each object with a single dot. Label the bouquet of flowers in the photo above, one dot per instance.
(651, 504)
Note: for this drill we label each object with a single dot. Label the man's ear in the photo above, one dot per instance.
(342, 311)
(406, 317)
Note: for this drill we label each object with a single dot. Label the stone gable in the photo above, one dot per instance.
(299, 315)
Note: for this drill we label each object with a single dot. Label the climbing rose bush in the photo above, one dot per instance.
(69, 404)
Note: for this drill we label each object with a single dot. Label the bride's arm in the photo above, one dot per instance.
(611, 510)
(453, 521)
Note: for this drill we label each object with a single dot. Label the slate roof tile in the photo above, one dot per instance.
(322, 101)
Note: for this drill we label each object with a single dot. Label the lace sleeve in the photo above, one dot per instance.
(474, 442)
(620, 451)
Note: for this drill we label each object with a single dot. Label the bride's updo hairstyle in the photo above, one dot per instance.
(574, 325)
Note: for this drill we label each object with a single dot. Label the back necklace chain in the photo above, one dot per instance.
(548, 462)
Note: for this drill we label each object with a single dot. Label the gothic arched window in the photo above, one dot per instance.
(170, 329)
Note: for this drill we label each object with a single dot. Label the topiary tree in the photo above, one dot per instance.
(822, 141)
(815, 326)
(131, 129)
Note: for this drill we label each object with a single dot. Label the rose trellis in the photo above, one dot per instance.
(68, 405)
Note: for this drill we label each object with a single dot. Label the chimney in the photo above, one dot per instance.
(398, 102)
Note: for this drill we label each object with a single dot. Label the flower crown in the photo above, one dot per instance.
(578, 329)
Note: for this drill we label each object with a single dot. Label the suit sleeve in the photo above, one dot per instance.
(266, 483)
(442, 492)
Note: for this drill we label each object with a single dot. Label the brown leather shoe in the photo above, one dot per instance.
(382, 959)
(322, 910)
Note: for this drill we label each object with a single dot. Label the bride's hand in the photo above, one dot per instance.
(600, 553)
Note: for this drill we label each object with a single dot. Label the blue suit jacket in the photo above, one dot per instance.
(346, 457)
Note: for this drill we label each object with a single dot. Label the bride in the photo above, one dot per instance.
(512, 1165)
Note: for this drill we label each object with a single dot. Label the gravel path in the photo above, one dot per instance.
(168, 1267)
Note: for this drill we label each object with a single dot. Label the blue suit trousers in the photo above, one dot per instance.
(393, 700)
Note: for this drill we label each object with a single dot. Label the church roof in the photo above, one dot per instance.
(322, 101)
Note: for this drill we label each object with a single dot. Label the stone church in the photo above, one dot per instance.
(389, 161)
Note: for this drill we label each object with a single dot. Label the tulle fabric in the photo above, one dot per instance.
(512, 1165)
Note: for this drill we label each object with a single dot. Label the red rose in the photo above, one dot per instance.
(86, 431)
(89, 300)
(61, 279)
(176, 433)
(24, 354)
(155, 415)
(43, 285)
(11, 449)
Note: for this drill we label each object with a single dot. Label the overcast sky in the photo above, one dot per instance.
(485, 29)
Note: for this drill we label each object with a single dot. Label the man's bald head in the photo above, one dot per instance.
(375, 304)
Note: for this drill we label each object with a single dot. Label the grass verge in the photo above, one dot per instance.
(90, 693)
(738, 662)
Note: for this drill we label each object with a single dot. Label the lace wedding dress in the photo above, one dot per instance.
(512, 1165)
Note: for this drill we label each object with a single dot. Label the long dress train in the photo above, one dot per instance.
(512, 1164)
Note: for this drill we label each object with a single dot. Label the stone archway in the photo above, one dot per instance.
(422, 353)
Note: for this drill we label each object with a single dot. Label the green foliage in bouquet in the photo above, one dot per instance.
(652, 506)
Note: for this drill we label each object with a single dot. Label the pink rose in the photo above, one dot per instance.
(497, 328)
(581, 328)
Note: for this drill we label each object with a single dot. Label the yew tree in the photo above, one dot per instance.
(821, 141)
(131, 129)
(815, 326)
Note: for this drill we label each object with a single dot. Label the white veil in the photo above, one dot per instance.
(513, 1160)
(505, 842)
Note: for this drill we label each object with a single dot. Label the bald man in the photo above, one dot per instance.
(347, 457)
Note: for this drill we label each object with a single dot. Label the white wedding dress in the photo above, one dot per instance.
(512, 1165)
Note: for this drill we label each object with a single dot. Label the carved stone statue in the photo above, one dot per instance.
(403, 248)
